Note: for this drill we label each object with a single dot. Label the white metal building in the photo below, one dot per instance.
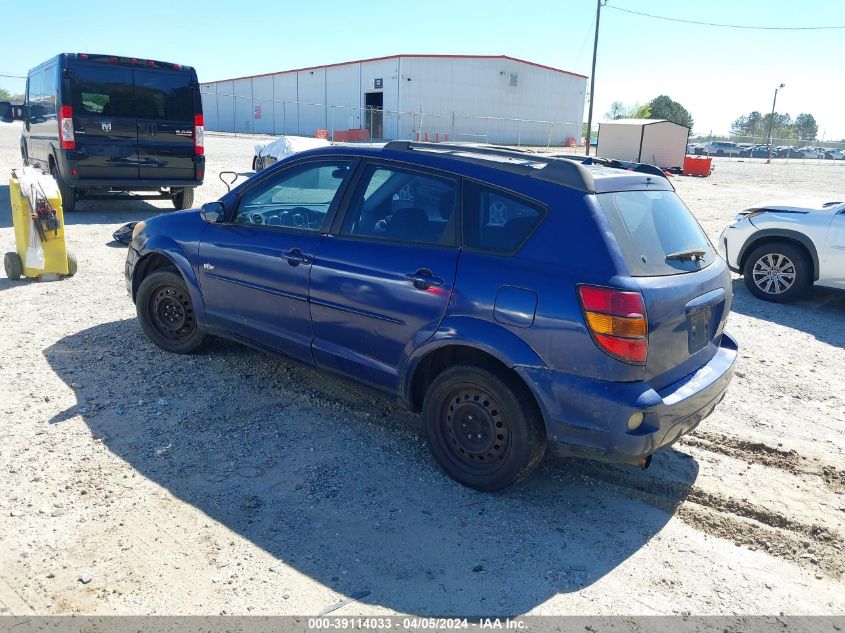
(495, 99)
(653, 141)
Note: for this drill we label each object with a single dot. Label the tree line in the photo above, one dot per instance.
(802, 128)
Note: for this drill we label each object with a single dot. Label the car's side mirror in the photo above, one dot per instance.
(213, 212)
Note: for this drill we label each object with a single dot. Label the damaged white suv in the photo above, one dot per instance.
(782, 248)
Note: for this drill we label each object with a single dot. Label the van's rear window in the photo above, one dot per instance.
(144, 94)
(651, 225)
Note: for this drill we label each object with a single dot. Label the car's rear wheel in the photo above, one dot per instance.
(184, 198)
(68, 193)
(166, 313)
(777, 271)
(483, 427)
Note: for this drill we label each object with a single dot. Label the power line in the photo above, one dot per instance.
(729, 26)
(13, 76)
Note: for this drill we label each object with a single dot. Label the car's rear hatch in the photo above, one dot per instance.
(685, 285)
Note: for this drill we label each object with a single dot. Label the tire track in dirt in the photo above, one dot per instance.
(745, 524)
(758, 453)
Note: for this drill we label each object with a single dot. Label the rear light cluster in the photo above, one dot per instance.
(616, 319)
(66, 135)
(199, 135)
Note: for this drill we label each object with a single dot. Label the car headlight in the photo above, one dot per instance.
(138, 228)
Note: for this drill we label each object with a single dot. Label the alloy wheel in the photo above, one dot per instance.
(774, 273)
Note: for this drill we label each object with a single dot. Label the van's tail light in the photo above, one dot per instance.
(66, 135)
(199, 135)
(617, 321)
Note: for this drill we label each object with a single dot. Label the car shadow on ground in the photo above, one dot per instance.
(339, 485)
(820, 313)
(118, 210)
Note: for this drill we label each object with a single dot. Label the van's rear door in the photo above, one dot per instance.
(686, 286)
(166, 107)
(103, 99)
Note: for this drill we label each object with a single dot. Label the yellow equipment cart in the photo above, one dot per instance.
(39, 229)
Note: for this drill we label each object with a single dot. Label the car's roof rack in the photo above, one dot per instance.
(567, 173)
(615, 164)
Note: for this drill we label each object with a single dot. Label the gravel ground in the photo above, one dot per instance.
(138, 482)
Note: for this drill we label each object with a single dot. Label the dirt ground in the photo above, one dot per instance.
(137, 482)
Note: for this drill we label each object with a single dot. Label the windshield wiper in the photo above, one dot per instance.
(692, 254)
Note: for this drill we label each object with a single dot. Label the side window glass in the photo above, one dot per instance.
(403, 205)
(495, 221)
(299, 197)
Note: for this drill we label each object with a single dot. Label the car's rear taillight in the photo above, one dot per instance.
(617, 321)
(199, 135)
(66, 136)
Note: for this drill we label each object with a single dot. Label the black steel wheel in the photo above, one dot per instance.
(166, 313)
(483, 427)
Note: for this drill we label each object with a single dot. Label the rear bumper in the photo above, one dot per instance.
(588, 418)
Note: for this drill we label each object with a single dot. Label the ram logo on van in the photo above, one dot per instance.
(106, 125)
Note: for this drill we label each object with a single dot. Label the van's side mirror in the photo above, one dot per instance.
(213, 212)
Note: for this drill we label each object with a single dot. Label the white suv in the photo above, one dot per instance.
(782, 248)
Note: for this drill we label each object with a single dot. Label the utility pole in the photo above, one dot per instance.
(772, 121)
(593, 77)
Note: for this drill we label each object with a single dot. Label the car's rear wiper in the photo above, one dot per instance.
(693, 254)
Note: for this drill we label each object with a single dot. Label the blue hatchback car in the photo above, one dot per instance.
(517, 300)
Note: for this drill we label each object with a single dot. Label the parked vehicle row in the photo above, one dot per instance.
(437, 273)
(748, 150)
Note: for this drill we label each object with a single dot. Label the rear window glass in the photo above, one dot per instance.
(496, 222)
(164, 95)
(103, 91)
(652, 225)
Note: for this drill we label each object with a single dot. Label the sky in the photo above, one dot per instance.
(718, 74)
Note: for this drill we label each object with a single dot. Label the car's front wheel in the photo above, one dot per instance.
(166, 313)
(483, 427)
(777, 271)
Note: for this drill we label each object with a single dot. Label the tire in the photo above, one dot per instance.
(507, 438)
(791, 272)
(68, 192)
(184, 199)
(166, 313)
(255, 164)
(13, 265)
(72, 265)
(24, 157)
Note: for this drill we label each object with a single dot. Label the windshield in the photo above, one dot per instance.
(652, 225)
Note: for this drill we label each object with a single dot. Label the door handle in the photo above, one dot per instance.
(424, 279)
(294, 257)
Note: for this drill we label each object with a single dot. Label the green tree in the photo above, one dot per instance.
(749, 125)
(5, 95)
(782, 128)
(619, 110)
(806, 128)
(664, 107)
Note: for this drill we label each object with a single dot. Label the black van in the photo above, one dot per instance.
(101, 123)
